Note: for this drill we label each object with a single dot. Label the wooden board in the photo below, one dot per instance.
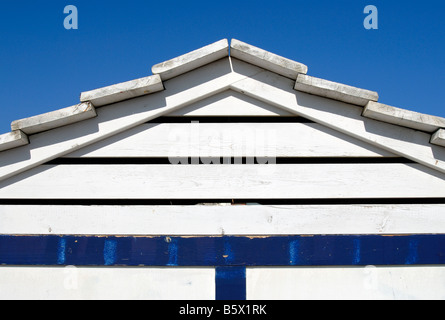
(231, 140)
(71, 283)
(286, 181)
(230, 103)
(251, 251)
(222, 220)
(367, 283)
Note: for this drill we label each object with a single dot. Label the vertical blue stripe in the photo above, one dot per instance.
(231, 283)
(172, 253)
(294, 252)
(357, 255)
(61, 251)
(413, 252)
(110, 247)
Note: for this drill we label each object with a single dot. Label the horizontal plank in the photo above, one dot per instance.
(321, 250)
(231, 140)
(70, 283)
(357, 283)
(230, 104)
(222, 220)
(282, 181)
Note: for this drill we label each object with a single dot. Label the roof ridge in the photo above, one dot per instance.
(208, 54)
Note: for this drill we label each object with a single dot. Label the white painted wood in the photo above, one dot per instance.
(55, 119)
(346, 118)
(119, 117)
(231, 140)
(190, 61)
(13, 140)
(402, 117)
(439, 138)
(287, 181)
(336, 91)
(203, 83)
(205, 220)
(123, 91)
(70, 283)
(230, 103)
(266, 60)
(370, 283)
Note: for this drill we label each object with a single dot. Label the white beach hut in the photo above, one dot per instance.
(227, 174)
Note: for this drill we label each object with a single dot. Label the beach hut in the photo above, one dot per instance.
(227, 174)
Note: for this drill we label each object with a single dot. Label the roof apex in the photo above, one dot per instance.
(192, 60)
(267, 60)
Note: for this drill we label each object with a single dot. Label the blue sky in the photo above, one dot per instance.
(44, 67)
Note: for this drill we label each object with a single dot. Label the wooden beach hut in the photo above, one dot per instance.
(227, 174)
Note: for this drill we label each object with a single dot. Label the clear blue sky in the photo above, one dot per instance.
(44, 67)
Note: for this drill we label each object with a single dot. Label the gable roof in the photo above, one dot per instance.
(36, 140)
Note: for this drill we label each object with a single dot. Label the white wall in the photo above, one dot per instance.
(70, 283)
(381, 283)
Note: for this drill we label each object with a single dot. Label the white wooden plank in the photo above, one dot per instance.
(334, 90)
(361, 283)
(402, 117)
(192, 60)
(266, 60)
(438, 138)
(231, 140)
(286, 181)
(346, 118)
(56, 283)
(222, 220)
(123, 91)
(55, 119)
(230, 103)
(13, 140)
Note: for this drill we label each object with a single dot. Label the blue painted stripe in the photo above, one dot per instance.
(61, 253)
(231, 283)
(223, 251)
(110, 247)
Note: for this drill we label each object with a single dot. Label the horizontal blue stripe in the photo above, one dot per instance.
(223, 251)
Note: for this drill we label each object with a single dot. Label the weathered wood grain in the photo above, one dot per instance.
(222, 220)
(346, 283)
(285, 181)
(316, 250)
(231, 140)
